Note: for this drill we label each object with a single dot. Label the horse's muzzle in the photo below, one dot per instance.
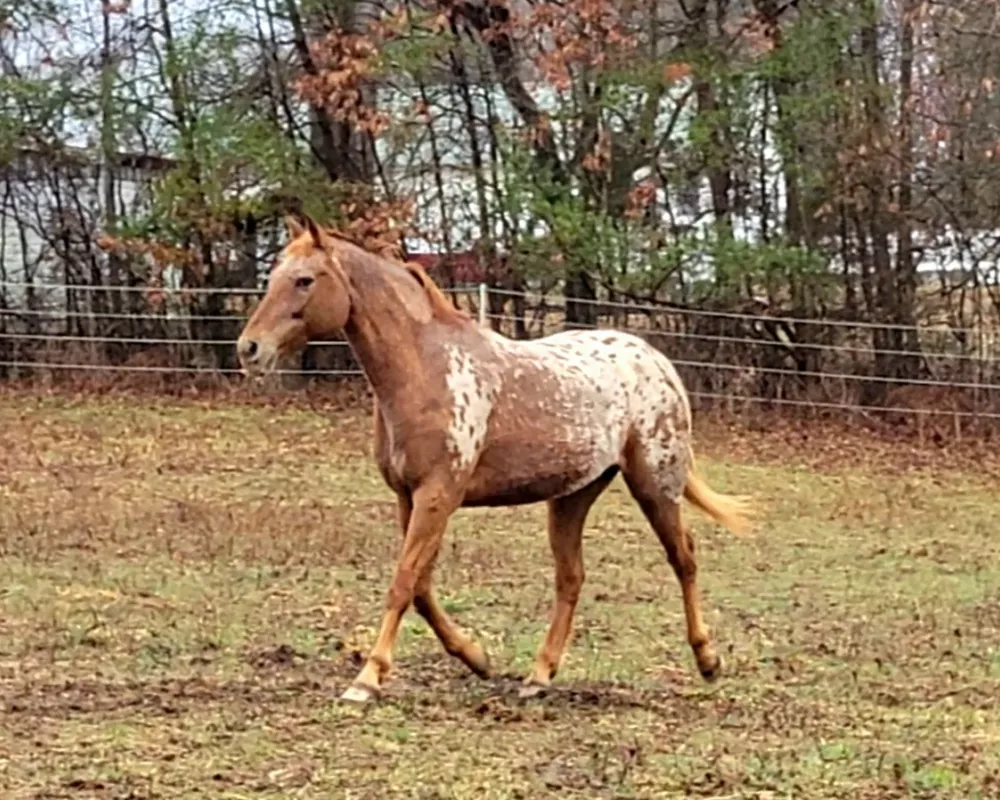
(255, 357)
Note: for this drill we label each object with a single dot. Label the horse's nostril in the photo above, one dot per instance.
(247, 349)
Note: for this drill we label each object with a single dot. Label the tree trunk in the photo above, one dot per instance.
(910, 365)
(896, 348)
(344, 153)
(711, 110)
(109, 157)
(491, 21)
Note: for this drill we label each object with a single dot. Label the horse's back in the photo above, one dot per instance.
(618, 366)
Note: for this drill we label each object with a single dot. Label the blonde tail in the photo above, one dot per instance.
(728, 510)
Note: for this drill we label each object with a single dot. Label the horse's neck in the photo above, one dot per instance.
(389, 312)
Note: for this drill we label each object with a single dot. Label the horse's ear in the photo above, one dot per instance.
(315, 231)
(295, 229)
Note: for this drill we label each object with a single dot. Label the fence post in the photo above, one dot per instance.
(483, 299)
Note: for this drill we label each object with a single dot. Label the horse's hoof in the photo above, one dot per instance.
(477, 660)
(711, 671)
(531, 690)
(359, 693)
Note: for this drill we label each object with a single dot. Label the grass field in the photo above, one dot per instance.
(185, 590)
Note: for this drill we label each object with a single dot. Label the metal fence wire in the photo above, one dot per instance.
(728, 357)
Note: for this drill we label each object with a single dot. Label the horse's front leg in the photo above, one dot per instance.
(427, 606)
(432, 505)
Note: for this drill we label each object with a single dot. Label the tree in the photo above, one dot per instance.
(812, 158)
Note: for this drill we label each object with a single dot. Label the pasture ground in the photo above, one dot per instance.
(185, 589)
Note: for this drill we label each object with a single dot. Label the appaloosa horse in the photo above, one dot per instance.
(467, 417)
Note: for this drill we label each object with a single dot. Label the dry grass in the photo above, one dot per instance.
(184, 589)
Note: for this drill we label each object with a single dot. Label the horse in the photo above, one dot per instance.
(466, 417)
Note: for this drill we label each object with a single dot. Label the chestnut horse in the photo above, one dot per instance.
(467, 417)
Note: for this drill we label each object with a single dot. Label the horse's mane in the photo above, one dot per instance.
(441, 308)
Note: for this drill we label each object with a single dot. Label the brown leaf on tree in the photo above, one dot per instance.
(599, 158)
(676, 71)
(155, 297)
(377, 225)
(439, 22)
(108, 243)
(575, 35)
(347, 64)
(640, 198)
(422, 110)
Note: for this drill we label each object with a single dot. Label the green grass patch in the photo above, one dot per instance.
(185, 590)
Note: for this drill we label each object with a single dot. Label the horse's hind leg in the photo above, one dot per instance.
(664, 514)
(567, 516)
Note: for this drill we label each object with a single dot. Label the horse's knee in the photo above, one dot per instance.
(401, 590)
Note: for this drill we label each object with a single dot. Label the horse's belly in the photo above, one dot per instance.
(512, 494)
(532, 472)
(534, 491)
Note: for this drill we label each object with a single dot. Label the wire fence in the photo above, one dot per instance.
(733, 358)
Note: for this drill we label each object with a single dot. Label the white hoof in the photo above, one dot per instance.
(530, 690)
(356, 693)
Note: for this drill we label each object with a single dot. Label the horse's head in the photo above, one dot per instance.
(307, 297)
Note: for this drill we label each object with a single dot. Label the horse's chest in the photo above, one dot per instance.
(389, 463)
(411, 450)
(399, 453)
(395, 464)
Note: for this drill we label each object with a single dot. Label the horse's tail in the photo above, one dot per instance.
(728, 510)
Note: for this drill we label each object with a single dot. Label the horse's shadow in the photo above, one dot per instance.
(432, 681)
(505, 696)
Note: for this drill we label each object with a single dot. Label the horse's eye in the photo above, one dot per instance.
(304, 282)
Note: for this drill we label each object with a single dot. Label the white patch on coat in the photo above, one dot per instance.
(608, 386)
(472, 392)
